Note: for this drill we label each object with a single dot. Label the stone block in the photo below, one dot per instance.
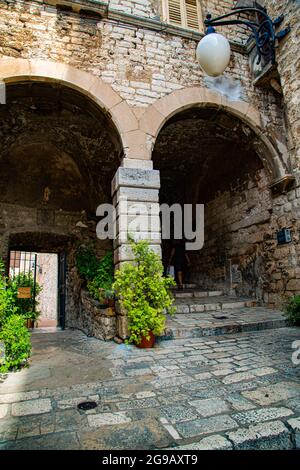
(261, 415)
(293, 285)
(3, 410)
(214, 442)
(122, 327)
(31, 407)
(108, 419)
(137, 223)
(272, 394)
(135, 178)
(264, 436)
(137, 145)
(124, 117)
(210, 406)
(136, 194)
(206, 426)
(137, 163)
(194, 308)
(137, 207)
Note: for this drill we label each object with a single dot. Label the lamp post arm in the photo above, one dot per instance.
(212, 21)
(263, 33)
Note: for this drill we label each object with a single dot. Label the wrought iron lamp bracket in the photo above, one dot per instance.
(264, 33)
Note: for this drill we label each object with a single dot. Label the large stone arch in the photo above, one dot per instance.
(273, 153)
(16, 70)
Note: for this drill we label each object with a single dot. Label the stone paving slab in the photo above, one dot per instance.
(186, 396)
(220, 321)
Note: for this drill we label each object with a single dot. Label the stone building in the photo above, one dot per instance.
(106, 100)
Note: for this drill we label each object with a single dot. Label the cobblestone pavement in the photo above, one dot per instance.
(236, 391)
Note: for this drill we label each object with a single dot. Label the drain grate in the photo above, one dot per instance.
(87, 405)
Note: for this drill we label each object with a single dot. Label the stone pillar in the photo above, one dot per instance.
(135, 192)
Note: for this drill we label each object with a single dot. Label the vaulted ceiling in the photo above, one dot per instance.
(201, 152)
(57, 148)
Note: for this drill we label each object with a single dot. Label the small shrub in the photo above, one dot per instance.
(16, 339)
(103, 278)
(25, 306)
(292, 310)
(86, 263)
(7, 297)
(144, 293)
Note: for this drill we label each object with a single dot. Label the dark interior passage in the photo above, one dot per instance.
(208, 156)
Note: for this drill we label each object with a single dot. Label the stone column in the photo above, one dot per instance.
(135, 192)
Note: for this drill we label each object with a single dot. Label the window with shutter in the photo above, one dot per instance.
(184, 13)
(175, 16)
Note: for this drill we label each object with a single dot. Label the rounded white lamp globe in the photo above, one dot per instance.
(213, 54)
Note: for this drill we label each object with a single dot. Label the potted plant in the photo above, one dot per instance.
(31, 318)
(144, 294)
(110, 298)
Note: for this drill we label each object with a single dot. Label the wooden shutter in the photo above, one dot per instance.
(184, 13)
(192, 17)
(174, 8)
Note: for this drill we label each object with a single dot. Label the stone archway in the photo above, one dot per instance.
(59, 150)
(91, 86)
(218, 153)
(270, 147)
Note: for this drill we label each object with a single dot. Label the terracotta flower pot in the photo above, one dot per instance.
(30, 323)
(147, 343)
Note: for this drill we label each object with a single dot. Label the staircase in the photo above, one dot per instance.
(211, 313)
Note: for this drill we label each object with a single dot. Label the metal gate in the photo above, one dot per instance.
(62, 268)
(24, 263)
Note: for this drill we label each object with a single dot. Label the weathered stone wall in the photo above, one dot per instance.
(289, 71)
(142, 65)
(95, 321)
(51, 231)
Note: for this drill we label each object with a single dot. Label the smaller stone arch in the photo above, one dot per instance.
(19, 70)
(163, 109)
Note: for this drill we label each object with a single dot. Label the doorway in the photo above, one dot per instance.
(45, 272)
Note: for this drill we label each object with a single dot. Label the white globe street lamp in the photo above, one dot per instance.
(213, 51)
(213, 54)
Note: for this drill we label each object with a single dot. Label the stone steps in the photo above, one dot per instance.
(194, 304)
(222, 322)
(196, 293)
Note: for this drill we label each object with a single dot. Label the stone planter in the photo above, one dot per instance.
(98, 320)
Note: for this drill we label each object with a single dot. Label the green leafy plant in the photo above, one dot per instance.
(144, 292)
(16, 339)
(7, 297)
(103, 279)
(292, 310)
(27, 307)
(86, 263)
(109, 294)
